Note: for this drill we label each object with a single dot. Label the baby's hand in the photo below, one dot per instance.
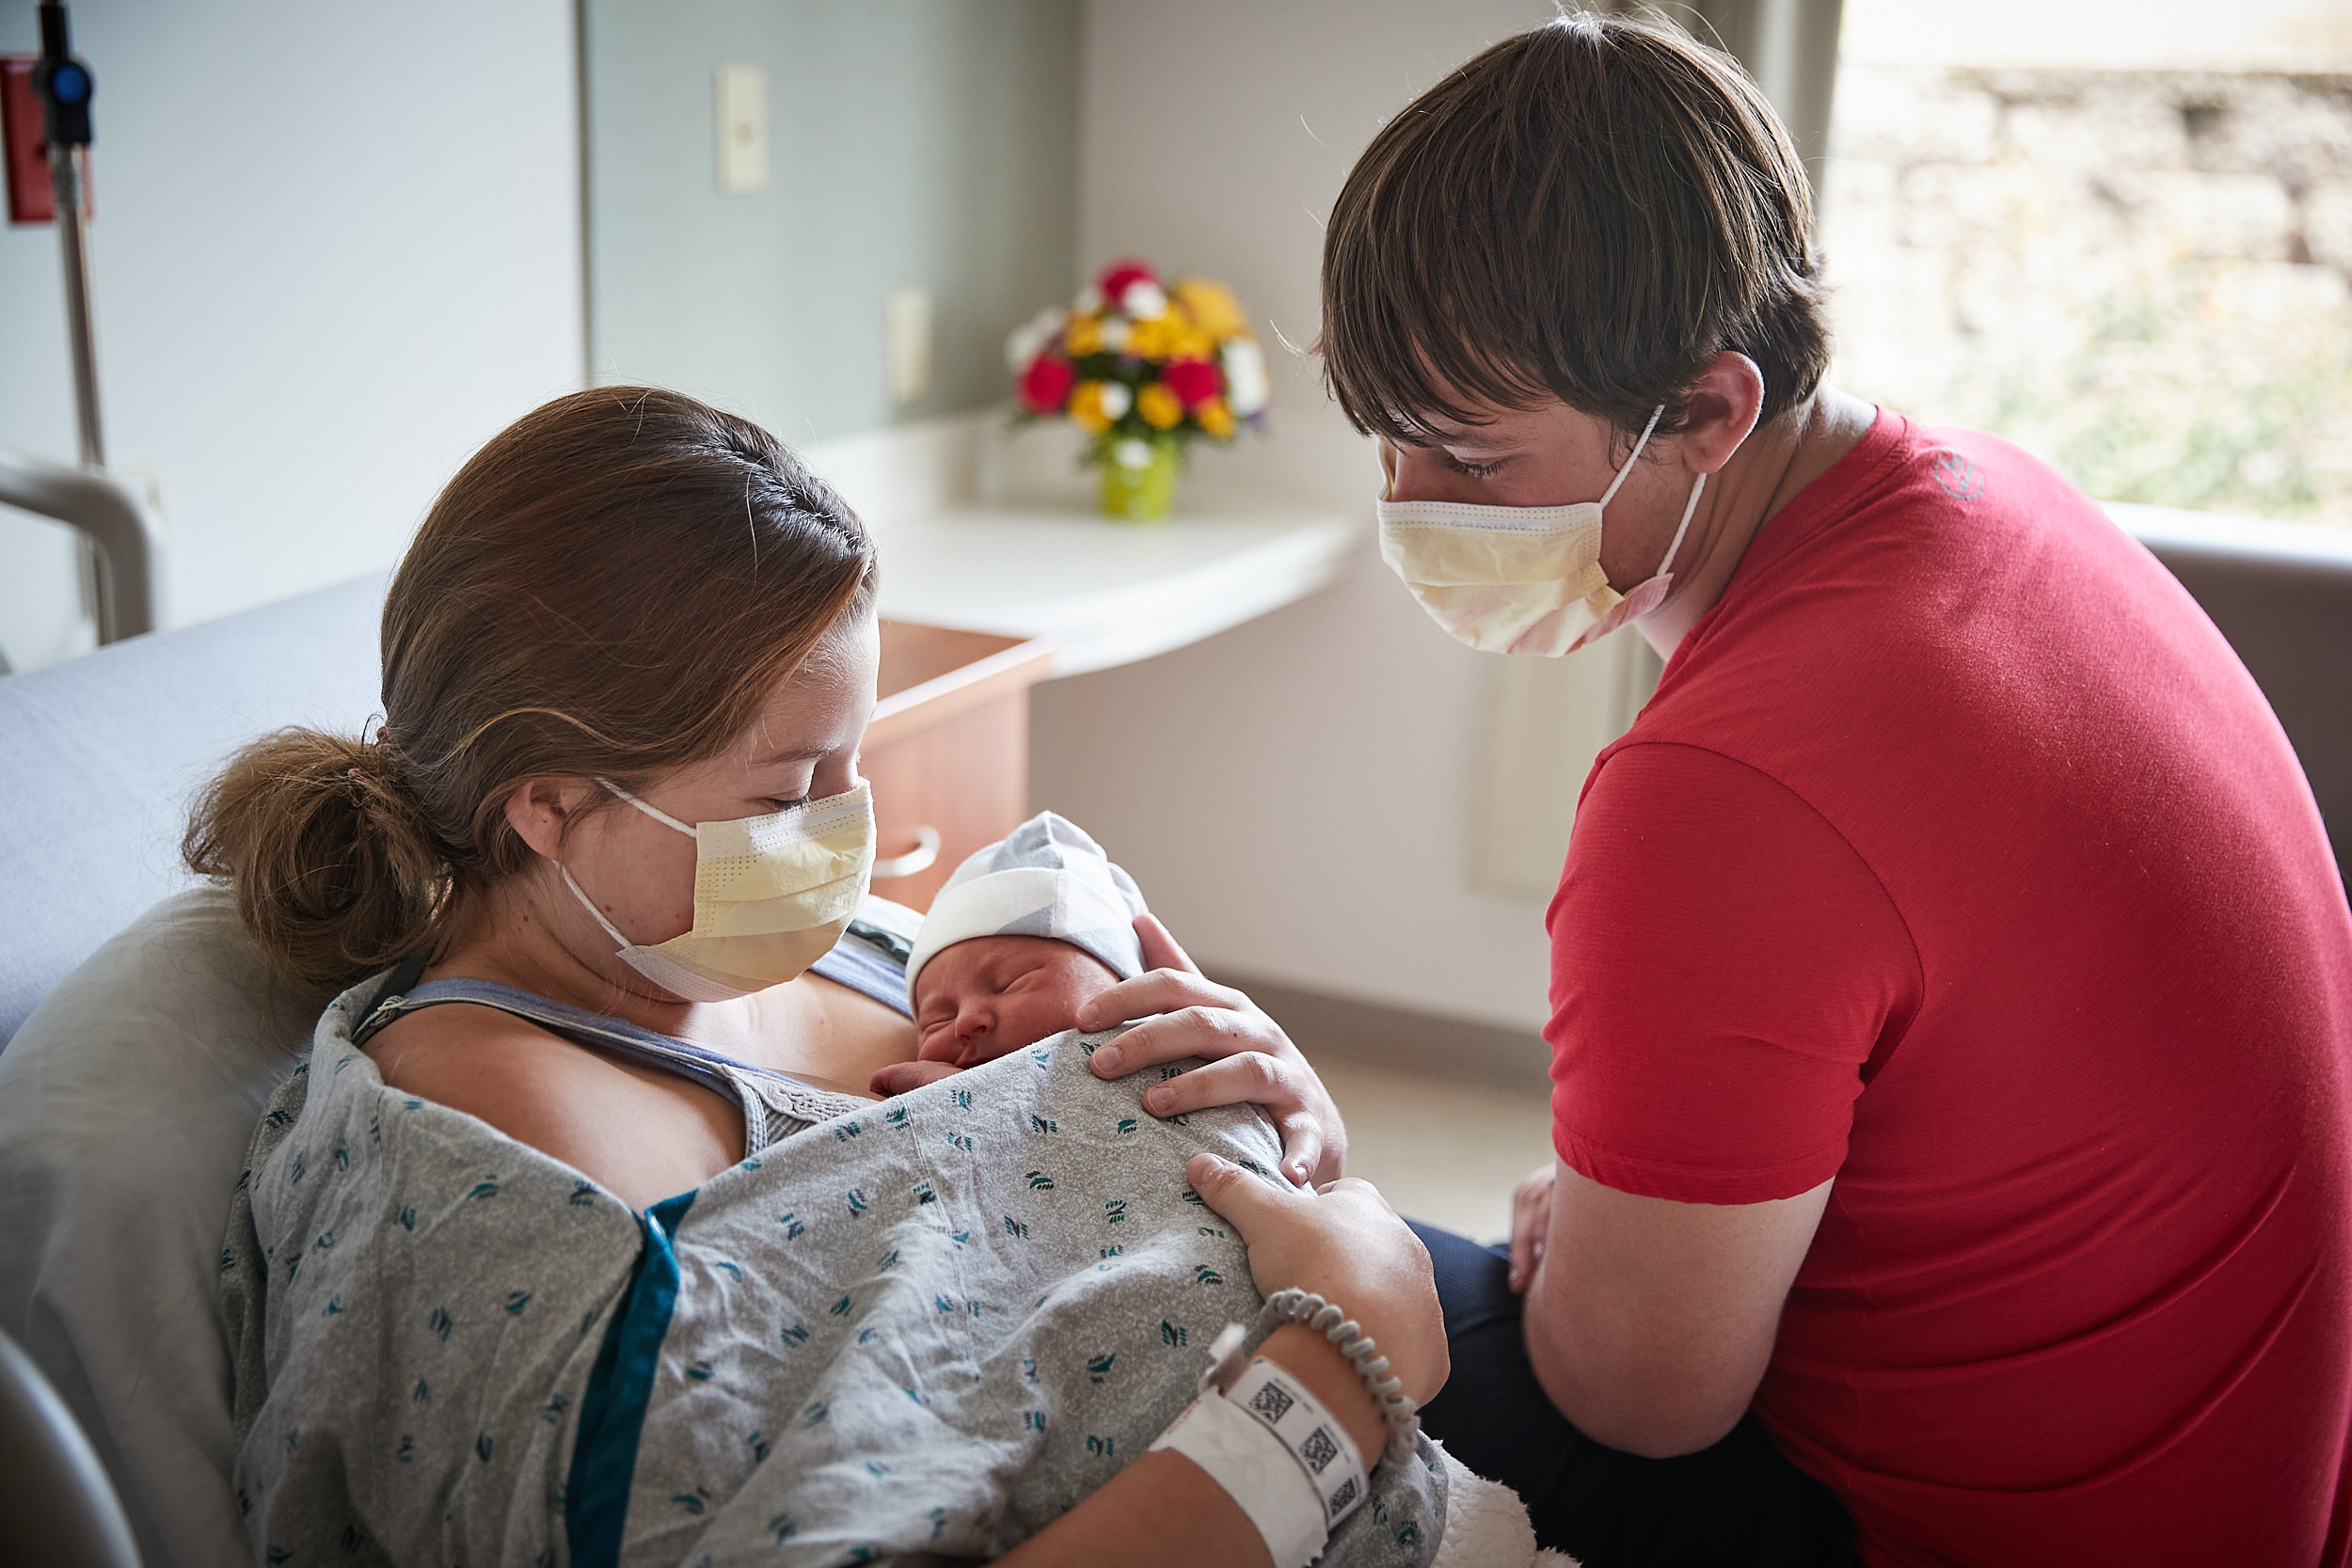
(902, 1077)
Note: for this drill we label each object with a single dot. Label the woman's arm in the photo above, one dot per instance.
(1341, 1241)
(1252, 1060)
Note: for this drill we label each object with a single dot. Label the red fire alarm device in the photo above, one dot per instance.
(25, 144)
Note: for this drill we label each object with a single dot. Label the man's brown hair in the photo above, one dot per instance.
(1588, 212)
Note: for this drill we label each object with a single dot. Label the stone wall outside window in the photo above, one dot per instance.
(2141, 275)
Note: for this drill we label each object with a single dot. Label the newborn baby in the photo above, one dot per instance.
(1023, 933)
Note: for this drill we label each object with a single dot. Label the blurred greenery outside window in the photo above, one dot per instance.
(2117, 233)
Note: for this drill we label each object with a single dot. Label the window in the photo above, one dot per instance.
(2119, 233)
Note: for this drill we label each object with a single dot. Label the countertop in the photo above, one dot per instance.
(1104, 592)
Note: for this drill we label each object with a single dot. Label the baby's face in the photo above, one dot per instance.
(989, 995)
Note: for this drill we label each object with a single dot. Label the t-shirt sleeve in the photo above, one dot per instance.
(1723, 964)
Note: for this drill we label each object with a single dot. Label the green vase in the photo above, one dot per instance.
(1140, 494)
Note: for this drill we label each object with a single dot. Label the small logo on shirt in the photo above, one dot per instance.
(1961, 480)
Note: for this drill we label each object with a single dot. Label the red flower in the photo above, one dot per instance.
(1046, 382)
(1196, 381)
(1119, 274)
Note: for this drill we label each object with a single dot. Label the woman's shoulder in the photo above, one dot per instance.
(631, 1129)
(502, 1068)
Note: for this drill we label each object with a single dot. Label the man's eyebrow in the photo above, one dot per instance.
(1473, 437)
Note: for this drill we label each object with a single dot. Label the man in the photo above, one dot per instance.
(1952, 982)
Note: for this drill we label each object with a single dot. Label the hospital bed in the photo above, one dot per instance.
(139, 1037)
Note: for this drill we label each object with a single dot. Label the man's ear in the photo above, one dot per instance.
(1725, 398)
(540, 810)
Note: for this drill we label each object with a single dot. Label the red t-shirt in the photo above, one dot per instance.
(1958, 859)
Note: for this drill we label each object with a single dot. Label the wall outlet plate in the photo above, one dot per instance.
(907, 345)
(739, 127)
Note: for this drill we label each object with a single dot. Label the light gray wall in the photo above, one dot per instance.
(337, 246)
(922, 143)
(1294, 795)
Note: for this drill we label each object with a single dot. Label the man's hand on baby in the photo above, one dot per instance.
(1251, 1059)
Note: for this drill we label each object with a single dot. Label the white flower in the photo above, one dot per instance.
(1117, 399)
(1144, 300)
(1029, 338)
(1089, 300)
(1246, 388)
(1113, 333)
(1132, 454)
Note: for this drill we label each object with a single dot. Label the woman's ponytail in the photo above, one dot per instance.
(336, 868)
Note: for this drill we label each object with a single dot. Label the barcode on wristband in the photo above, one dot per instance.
(1313, 1437)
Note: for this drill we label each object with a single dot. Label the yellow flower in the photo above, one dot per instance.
(1085, 408)
(1083, 336)
(1156, 338)
(1161, 408)
(1212, 307)
(1215, 417)
(1193, 343)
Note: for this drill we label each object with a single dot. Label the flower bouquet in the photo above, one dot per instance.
(1142, 368)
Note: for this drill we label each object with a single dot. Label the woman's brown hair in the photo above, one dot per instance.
(1588, 212)
(612, 586)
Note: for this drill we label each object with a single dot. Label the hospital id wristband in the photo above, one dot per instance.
(1312, 1436)
(1257, 1469)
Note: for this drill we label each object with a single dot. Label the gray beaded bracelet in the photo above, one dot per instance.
(1348, 1337)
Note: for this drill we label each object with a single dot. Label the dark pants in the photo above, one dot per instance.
(1737, 1502)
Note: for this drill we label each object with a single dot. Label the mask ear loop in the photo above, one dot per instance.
(596, 915)
(653, 811)
(1654, 415)
(589, 904)
(1684, 526)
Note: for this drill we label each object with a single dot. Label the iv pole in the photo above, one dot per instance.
(121, 532)
(64, 87)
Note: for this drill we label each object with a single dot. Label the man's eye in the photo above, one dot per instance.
(1473, 470)
(793, 804)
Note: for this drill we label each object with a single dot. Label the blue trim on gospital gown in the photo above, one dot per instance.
(620, 1385)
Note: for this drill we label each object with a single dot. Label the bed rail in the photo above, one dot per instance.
(123, 533)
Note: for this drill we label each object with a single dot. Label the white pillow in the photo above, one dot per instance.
(127, 1101)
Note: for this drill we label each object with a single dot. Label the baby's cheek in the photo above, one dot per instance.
(939, 1044)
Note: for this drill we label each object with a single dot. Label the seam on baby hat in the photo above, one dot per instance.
(620, 1385)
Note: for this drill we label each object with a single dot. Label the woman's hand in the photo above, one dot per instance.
(1250, 1060)
(1343, 1243)
(1530, 1225)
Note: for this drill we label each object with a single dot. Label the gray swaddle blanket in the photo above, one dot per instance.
(918, 1331)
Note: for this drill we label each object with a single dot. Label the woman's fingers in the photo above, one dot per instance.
(1241, 1199)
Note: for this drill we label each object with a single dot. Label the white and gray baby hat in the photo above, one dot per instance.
(1044, 879)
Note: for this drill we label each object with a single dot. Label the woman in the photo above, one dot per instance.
(1952, 983)
(612, 826)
